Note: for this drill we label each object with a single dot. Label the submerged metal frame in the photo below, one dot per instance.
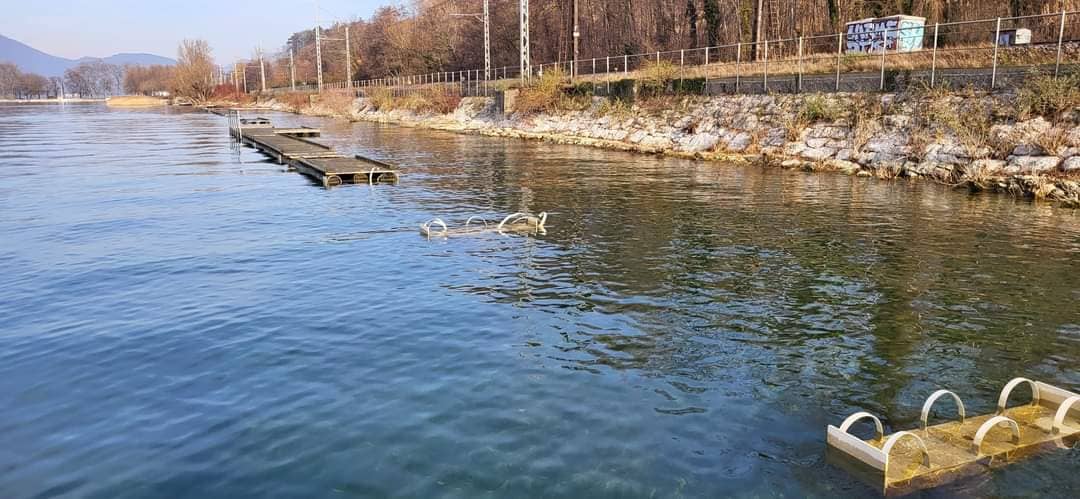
(1052, 417)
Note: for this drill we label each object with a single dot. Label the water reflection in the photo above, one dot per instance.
(683, 328)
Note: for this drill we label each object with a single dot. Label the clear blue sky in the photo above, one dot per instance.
(70, 28)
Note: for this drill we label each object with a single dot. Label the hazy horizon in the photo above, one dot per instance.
(70, 29)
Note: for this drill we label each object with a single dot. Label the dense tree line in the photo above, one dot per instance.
(423, 37)
(89, 79)
(15, 84)
(148, 80)
(94, 79)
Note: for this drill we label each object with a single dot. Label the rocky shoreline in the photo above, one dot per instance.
(971, 141)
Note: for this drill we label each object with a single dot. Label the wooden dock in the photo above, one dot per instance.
(294, 147)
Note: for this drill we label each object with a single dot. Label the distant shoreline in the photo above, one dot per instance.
(50, 101)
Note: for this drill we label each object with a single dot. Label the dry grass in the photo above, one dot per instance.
(340, 103)
(1052, 141)
(541, 94)
(549, 93)
(135, 101)
(967, 119)
(381, 98)
(865, 119)
(616, 108)
(295, 100)
(656, 76)
(1049, 97)
(431, 99)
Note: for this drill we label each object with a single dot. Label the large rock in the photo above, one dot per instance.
(942, 153)
(1072, 164)
(986, 166)
(1073, 138)
(740, 142)
(1032, 164)
(843, 166)
(699, 142)
(1027, 150)
(817, 153)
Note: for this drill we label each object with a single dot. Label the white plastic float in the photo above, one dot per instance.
(516, 223)
(907, 461)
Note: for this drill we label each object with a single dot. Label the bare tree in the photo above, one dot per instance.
(9, 77)
(193, 74)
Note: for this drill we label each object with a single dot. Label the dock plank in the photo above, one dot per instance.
(294, 147)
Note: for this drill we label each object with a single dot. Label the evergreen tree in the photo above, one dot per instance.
(712, 19)
(692, 18)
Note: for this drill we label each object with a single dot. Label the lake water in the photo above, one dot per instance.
(182, 320)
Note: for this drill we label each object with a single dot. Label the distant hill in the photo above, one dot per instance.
(133, 58)
(32, 60)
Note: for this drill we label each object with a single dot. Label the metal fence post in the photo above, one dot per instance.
(933, 59)
(997, 42)
(839, 55)
(1061, 38)
(738, 65)
(798, 84)
(765, 82)
(607, 70)
(682, 66)
(658, 57)
(625, 64)
(706, 58)
(884, 52)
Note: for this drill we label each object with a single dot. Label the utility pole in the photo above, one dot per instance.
(577, 35)
(487, 41)
(486, 19)
(348, 60)
(262, 71)
(757, 28)
(318, 46)
(292, 70)
(526, 65)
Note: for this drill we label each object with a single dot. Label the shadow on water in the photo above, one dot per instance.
(182, 324)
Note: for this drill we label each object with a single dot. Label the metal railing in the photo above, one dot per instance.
(983, 52)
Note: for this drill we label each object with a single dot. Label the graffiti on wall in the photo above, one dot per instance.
(891, 33)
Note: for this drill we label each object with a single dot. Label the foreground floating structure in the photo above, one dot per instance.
(907, 461)
(294, 147)
(516, 223)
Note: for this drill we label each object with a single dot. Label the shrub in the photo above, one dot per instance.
(623, 90)
(295, 100)
(656, 76)
(381, 98)
(1050, 97)
(816, 108)
(541, 94)
(425, 100)
(338, 102)
(617, 108)
(865, 119)
(689, 86)
(440, 101)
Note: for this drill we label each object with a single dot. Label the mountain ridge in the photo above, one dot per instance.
(32, 60)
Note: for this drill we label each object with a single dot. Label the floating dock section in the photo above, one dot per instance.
(907, 461)
(294, 147)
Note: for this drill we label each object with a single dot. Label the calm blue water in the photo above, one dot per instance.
(179, 320)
